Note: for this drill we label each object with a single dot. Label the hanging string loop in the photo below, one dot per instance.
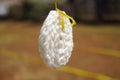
(63, 14)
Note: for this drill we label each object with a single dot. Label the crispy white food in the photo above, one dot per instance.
(55, 43)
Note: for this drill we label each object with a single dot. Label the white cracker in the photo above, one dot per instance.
(55, 44)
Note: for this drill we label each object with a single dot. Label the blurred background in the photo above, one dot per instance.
(96, 39)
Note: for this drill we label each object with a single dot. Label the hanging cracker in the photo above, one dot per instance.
(56, 38)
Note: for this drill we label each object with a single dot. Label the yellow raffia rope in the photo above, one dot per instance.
(74, 70)
(64, 15)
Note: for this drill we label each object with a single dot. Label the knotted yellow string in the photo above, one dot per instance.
(64, 15)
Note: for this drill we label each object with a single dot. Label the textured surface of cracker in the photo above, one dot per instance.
(55, 43)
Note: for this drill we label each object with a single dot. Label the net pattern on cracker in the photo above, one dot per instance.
(56, 44)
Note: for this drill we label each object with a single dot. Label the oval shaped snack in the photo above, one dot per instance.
(55, 43)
